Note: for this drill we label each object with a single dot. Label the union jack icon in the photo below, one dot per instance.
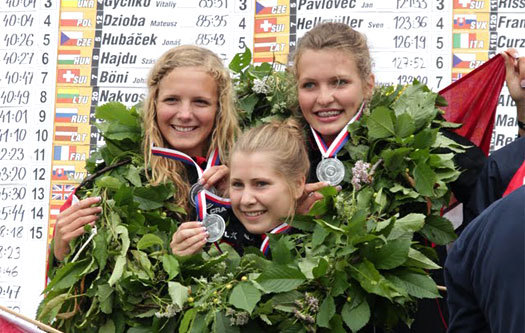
(61, 192)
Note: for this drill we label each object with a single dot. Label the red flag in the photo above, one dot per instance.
(12, 324)
(472, 101)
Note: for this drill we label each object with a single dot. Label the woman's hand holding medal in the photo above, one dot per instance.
(189, 238)
(216, 176)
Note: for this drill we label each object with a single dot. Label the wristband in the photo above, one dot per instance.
(521, 125)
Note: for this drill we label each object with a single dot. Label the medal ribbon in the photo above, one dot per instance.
(339, 141)
(173, 154)
(277, 230)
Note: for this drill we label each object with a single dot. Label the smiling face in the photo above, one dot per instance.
(260, 196)
(330, 90)
(186, 106)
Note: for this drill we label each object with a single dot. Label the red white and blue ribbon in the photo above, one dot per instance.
(284, 227)
(173, 154)
(201, 202)
(339, 141)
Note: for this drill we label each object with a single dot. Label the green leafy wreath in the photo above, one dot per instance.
(358, 260)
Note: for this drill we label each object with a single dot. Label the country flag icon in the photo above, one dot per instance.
(71, 19)
(61, 192)
(264, 7)
(65, 95)
(264, 44)
(61, 172)
(462, 4)
(63, 153)
(463, 40)
(462, 60)
(68, 57)
(67, 75)
(463, 21)
(70, 38)
(65, 115)
(64, 133)
(265, 25)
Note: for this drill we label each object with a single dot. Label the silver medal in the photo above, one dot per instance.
(215, 227)
(196, 188)
(330, 170)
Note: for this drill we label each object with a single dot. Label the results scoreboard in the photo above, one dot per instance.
(59, 59)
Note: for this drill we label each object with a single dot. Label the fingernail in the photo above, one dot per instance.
(339, 187)
(516, 55)
(204, 230)
(98, 198)
(522, 83)
(201, 181)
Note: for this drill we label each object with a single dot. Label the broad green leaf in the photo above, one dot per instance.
(280, 279)
(241, 60)
(405, 190)
(425, 179)
(199, 324)
(336, 324)
(170, 265)
(109, 182)
(178, 293)
(187, 320)
(417, 285)
(306, 265)
(357, 317)
(407, 224)
(142, 259)
(418, 103)
(118, 270)
(247, 104)
(326, 312)
(372, 281)
(391, 255)
(222, 324)
(52, 307)
(438, 230)
(425, 138)
(108, 327)
(395, 160)
(100, 248)
(67, 275)
(319, 235)
(281, 248)
(245, 296)
(115, 111)
(149, 240)
(321, 268)
(105, 298)
(133, 175)
(152, 197)
(404, 125)
(122, 231)
(340, 284)
(380, 123)
(418, 259)
(443, 141)
(119, 132)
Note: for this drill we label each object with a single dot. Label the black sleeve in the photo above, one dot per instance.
(470, 163)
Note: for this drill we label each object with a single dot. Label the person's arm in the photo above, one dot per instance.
(515, 77)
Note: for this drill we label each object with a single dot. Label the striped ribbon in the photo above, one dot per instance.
(277, 230)
(173, 154)
(340, 140)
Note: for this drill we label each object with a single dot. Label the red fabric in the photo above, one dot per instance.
(7, 326)
(517, 180)
(472, 101)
